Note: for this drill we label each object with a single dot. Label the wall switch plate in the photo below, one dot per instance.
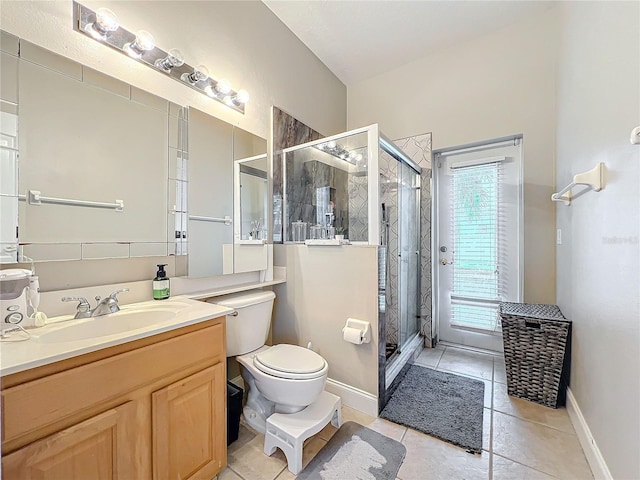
(559, 236)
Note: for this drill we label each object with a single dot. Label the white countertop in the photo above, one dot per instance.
(37, 351)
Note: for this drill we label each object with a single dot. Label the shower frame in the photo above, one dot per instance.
(387, 371)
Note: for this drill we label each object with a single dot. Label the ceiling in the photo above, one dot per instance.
(363, 38)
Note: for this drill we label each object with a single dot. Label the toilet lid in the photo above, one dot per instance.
(290, 361)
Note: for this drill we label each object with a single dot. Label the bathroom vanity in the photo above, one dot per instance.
(150, 405)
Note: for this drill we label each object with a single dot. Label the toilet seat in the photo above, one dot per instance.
(291, 362)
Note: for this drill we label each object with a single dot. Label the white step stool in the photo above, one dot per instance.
(289, 431)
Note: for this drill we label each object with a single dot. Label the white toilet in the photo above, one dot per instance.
(280, 379)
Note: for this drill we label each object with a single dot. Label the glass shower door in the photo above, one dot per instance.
(408, 252)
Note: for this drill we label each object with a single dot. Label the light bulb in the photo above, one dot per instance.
(143, 43)
(199, 74)
(331, 144)
(210, 91)
(106, 22)
(223, 87)
(242, 96)
(173, 59)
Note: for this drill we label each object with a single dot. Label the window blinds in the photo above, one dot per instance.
(478, 236)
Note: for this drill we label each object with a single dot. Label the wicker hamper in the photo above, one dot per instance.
(537, 341)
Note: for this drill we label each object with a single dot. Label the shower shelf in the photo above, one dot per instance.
(327, 243)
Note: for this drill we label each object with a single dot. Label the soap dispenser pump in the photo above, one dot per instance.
(161, 285)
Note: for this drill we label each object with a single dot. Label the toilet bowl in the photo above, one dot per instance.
(279, 379)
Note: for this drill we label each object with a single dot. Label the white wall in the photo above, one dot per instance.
(599, 260)
(243, 42)
(500, 84)
(325, 286)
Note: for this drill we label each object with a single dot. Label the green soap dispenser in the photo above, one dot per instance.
(161, 285)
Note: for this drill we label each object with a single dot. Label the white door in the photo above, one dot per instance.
(478, 240)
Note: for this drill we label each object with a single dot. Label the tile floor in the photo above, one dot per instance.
(522, 440)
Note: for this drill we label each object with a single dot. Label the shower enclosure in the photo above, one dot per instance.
(361, 185)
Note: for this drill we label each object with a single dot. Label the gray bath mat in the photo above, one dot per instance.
(441, 404)
(356, 452)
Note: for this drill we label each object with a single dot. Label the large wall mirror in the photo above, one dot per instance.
(92, 167)
(214, 219)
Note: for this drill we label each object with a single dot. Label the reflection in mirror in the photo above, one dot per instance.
(89, 144)
(210, 173)
(251, 183)
(8, 182)
(253, 187)
(86, 143)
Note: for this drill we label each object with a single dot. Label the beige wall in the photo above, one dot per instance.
(240, 41)
(599, 259)
(493, 86)
(325, 286)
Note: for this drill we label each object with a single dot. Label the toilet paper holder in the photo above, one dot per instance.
(363, 326)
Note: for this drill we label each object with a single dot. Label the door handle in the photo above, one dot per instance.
(444, 261)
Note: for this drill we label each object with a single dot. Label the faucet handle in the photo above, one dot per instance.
(83, 306)
(114, 295)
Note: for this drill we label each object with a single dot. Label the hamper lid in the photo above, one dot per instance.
(532, 310)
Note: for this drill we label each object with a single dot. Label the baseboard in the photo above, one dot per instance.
(354, 397)
(589, 446)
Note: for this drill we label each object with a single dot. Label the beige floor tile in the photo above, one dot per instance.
(429, 357)
(245, 435)
(250, 462)
(473, 364)
(486, 429)
(552, 417)
(380, 425)
(428, 457)
(228, 474)
(540, 447)
(286, 475)
(499, 371)
(505, 469)
(311, 448)
(327, 432)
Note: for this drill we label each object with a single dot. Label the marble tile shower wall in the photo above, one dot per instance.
(418, 148)
(358, 209)
(287, 132)
(303, 180)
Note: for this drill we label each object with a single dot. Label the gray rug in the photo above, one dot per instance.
(441, 404)
(356, 453)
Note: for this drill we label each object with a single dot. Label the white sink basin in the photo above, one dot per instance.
(115, 323)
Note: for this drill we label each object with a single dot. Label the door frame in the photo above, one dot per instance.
(435, 220)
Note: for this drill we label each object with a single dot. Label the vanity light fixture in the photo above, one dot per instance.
(199, 74)
(238, 99)
(105, 23)
(102, 25)
(332, 148)
(220, 89)
(173, 59)
(144, 42)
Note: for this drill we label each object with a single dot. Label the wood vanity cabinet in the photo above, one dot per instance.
(152, 408)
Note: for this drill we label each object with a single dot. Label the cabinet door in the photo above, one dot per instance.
(189, 425)
(103, 447)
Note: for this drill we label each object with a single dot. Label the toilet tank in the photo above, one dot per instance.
(249, 329)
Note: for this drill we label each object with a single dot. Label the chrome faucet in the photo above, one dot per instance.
(104, 307)
(108, 305)
(83, 309)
